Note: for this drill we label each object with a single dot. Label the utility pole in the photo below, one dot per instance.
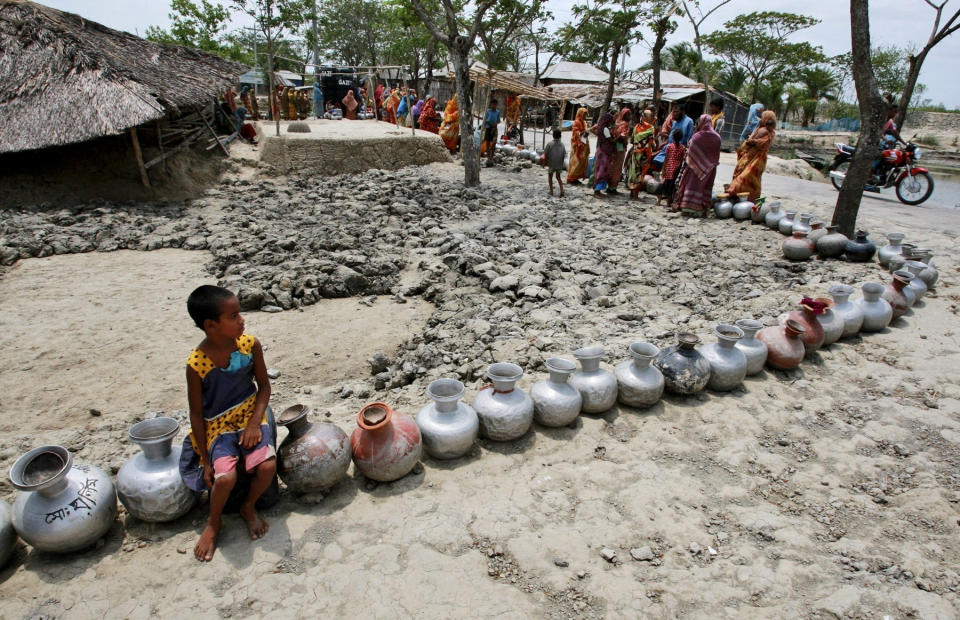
(253, 31)
(316, 42)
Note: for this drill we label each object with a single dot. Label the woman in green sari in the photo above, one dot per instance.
(644, 146)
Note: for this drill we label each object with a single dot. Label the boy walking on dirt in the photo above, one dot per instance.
(554, 155)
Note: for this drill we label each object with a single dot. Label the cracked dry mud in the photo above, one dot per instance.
(830, 491)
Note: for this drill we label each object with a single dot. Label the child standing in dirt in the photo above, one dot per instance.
(228, 392)
(671, 167)
(554, 155)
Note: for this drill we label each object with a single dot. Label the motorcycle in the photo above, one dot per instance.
(913, 184)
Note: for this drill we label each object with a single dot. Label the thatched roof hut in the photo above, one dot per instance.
(64, 79)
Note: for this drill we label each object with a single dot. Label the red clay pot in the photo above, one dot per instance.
(893, 293)
(785, 349)
(813, 334)
(387, 444)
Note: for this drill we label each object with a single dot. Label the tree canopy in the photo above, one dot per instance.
(759, 43)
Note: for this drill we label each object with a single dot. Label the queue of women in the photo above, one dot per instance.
(684, 153)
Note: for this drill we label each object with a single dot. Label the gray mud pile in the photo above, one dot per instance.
(515, 275)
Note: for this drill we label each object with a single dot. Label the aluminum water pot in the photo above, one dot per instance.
(893, 248)
(917, 285)
(850, 312)
(149, 483)
(62, 506)
(728, 364)
(556, 402)
(754, 350)
(505, 411)
(743, 209)
(877, 312)
(448, 425)
(597, 387)
(639, 384)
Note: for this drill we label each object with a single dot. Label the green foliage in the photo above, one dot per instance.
(890, 66)
(602, 30)
(731, 78)
(193, 25)
(352, 32)
(758, 43)
(683, 58)
(501, 31)
(818, 83)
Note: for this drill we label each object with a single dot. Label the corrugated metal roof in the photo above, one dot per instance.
(574, 72)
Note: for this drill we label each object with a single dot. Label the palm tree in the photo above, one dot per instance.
(682, 58)
(731, 79)
(818, 83)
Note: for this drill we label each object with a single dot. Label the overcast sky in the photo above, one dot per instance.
(891, 22)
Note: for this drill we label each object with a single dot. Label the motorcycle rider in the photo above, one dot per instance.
(890, 137)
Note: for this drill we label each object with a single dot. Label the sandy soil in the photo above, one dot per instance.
(831, 491)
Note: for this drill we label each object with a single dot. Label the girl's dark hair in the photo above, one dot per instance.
(205, 303)
(557, 134)
(677, 135)
(717, 102)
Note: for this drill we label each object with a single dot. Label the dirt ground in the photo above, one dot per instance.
(827, 492)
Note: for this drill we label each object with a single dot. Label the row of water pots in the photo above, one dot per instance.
(520, 152)
(808, 237)
(65, 506)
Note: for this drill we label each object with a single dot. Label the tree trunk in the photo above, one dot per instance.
(703, 69)
(431, 53)
(468, 152)
(871, 120)
(273, 89)
(614, 57)
(655, 63)
(913, 74)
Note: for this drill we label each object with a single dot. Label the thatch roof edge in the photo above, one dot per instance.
(65, 79)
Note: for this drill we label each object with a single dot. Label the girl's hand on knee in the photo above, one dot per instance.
(208, 476)
(250, 437)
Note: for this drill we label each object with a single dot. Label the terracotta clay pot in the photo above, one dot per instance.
(808, 316)
(895, 294)
(785, 349)
(387, 444)
(314, 456)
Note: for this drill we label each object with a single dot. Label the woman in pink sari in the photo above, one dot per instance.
(696, 185)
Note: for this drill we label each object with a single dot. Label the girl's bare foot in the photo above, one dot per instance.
(255, 525)
(205, 547)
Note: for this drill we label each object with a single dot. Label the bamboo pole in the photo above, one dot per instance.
(160, 145)
(214, 133)
(138, 155)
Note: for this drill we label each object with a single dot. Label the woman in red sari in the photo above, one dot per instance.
(579, 149)
(450, 130)
(752, 157)
(696, 184)
(644, 145)
(429, 119)
(621, 137)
